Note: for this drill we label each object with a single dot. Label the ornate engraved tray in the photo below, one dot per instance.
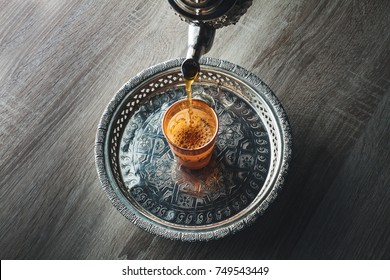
(249, 165)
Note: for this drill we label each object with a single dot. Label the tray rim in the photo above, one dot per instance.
(113, 191)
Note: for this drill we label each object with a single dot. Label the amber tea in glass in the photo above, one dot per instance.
(191, 132)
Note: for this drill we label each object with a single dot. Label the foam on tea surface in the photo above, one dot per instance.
(191, 134)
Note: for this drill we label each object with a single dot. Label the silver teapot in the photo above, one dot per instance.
(204, 17)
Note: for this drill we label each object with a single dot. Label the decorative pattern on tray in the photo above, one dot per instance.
(231, 181)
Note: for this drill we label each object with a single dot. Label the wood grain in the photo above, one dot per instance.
(62, 61)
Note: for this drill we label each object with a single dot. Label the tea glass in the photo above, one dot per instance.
(197, 156)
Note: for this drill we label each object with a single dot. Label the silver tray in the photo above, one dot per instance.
(249, 165)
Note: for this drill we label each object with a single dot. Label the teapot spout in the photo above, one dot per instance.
(200, 41)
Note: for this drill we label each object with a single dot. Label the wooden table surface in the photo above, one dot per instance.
(61, 62)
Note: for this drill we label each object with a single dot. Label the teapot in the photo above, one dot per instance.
(204, 17)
